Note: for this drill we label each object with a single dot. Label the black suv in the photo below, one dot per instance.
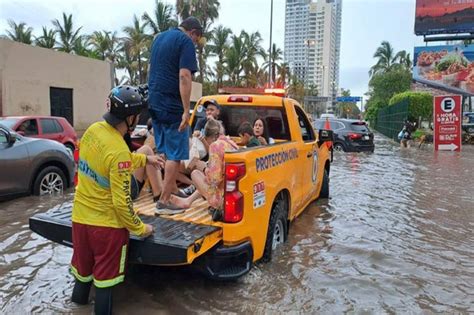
(349, 135)
(468, 122)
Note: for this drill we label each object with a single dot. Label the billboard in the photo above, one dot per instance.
(444, 16)
(446, 67)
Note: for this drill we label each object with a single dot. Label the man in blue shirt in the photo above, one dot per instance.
(172, 64)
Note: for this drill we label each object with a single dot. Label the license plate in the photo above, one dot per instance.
(366, 137)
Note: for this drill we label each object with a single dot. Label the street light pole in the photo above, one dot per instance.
(270, 65)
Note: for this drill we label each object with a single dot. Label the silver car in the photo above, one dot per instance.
(33, 166)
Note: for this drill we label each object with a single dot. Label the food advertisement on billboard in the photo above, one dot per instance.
(444, 16)
(447, 67)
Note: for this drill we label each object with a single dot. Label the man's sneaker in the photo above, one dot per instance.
(180, 193)
(167, 209)
(189, 190)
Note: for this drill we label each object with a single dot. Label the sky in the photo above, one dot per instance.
(365, 24)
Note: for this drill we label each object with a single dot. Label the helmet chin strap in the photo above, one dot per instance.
(129, 127)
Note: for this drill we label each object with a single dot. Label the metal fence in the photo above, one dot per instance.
(390, 119)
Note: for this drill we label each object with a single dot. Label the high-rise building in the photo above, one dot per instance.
(312, 44)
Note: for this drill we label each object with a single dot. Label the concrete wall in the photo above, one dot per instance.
(27, 73)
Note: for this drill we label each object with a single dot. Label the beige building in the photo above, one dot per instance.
(40, 81)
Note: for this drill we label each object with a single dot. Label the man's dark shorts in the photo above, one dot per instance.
(173, 143)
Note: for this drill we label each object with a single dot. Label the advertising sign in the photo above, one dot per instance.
(447, 67)
(447, 123)
(444, 16)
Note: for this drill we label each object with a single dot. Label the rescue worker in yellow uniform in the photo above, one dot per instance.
(103, 214)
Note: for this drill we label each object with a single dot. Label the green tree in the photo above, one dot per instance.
(296, 89)
(273, 61)
(382, 86)
(137, 41)
(386, 59)
(219, 43)
(81, 48)
(253, 49)
(404, 60)
(162, 18)
(101, 43)
(233, 60)
(19, 32)
(67, 35)
(47, 40)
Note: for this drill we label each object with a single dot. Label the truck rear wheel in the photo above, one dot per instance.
(277, 232)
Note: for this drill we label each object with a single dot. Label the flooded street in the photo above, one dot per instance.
(395, 237)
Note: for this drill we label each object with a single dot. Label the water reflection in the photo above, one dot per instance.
(395, 237)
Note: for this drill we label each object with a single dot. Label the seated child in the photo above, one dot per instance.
(246, 135)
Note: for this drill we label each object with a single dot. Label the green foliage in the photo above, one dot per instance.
(383, 86)
(420, 104)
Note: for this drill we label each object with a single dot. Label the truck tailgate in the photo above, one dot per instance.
(177, 240)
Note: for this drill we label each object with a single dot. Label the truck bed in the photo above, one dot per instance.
(177, 239)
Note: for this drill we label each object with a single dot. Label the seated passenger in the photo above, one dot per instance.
(260, 131)
(147, 172)
(246, 135)
(212, 112)
(210, 180)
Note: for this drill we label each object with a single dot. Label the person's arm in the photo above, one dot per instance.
(120, 175)
(187, 66)
(185, 86)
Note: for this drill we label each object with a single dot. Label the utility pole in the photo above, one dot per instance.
(270, 65)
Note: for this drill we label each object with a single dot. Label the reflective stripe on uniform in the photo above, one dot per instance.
(79, 277)
(108, 283)
(123, 258)
(85, 169)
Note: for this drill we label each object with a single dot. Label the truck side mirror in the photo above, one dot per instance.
(325, 136)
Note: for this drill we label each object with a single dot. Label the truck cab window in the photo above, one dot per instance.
(307, 131)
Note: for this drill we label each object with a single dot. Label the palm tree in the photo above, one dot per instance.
(283, 73)
(253, 49)
(404, 59)
(47, 40)
(67, 35)
(163, 18)
(219, 43)
(138, 42)
(233, 60)
(81, 48)
(386, 59)
(19, 32)
(272, 62)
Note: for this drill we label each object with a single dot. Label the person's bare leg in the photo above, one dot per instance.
(185, 202)
(156, 182)
(183, 179)
(171, 168)
(199, 180)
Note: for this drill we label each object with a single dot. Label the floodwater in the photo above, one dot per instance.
(395, 237)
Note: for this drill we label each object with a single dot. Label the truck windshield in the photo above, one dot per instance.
(233, 116)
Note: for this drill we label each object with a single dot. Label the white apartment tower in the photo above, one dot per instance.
(312, 43)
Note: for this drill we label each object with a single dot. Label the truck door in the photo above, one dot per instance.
(308, 157)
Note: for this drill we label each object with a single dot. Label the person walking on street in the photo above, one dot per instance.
(172, 64)
(102, 213)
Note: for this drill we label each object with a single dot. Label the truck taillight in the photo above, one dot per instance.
(233, 199)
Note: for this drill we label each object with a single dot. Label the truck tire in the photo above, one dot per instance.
(324, 193)
(277, 232)
(49, 180)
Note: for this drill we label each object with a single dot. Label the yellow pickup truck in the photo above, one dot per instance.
(266, 188)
